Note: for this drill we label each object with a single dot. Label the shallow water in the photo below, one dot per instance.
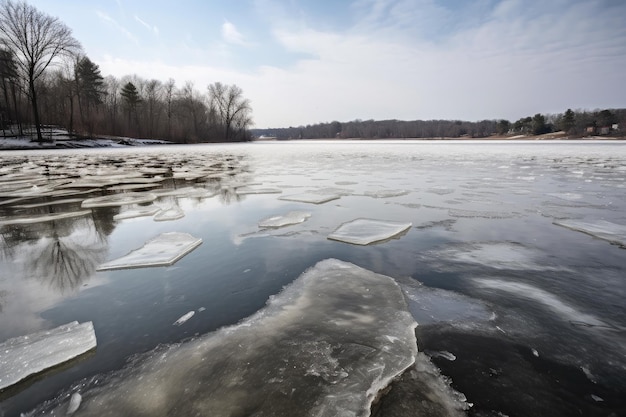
(532, 313)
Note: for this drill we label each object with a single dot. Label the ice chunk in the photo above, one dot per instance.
(385, 193)
(139, 212)
(326, 346)
(122, 199)
(366, 231)
(293, 217)
(163, 250)
(75, 401)
(184, 318)
(312, 198)
(169, 213)
(252, 190)
(549, 300)
(27, 355)
(43, 218)
(602, 229)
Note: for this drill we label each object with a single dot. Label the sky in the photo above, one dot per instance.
(311, 61)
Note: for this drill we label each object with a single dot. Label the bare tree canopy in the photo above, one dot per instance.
(36, 39)
(232, 109)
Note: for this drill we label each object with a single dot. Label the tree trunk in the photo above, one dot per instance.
(33, 99)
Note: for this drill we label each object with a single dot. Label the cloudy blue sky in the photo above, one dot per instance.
(309, 61)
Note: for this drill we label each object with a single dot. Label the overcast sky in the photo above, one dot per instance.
(309, 61)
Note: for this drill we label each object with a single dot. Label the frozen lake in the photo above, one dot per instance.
(478, 278)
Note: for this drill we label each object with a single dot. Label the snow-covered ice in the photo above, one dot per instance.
(311, 198)
(293, 217)
(325, 346)
(366, 231)
(163, 250)
(602, 229)
(27, 355)
(114, 200)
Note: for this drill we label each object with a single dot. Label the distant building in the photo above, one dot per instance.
(590, 129)
(615, 126)
(605, 130)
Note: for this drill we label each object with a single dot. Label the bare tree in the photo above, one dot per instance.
(233, 110)
(36, 39)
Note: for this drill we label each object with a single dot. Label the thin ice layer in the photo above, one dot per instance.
(27, 355)
(293, 217)
(169, 213)
(43, 218)
(113, 200)
(310, 198)
(366, 231)
(326, 346)
(163, 250)
(602, 229)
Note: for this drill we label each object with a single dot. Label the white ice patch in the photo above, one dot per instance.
(601, 229)
(43, 218)
(567, 196)
(252, 190)
(385, 193)
(293, 217)
(114, 200)
(311, 198)
(163, 250)
(169, 213)
(139, 212)
(183, 319)
(549, 300)
(27, 355)
(366, 231)
(288, 359)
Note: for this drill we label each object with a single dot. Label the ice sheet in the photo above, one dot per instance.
(293, 217)
(252, 190)
(43, 218)
(27, 355)
(139, 212)
(122, 199)
(385, 193)
(325, 346)
(310, 198)
(169, 213)
(163, 250)
(366, 231)
(602, 229)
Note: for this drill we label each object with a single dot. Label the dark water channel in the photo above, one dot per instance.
(522, 313)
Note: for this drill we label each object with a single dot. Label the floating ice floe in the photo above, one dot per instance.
(184, 318)
(139, 212)
(252, 190)
(169, 213)
(27, 355)
(49, 203)
(567, 196)
(114, 200)
(191, 192)
(310, 198)
(293, 217)
(163, 250)
(385, 193)
(480, 214)
(601, 229)
(327, 345)
(43, 218)
(549, 300)
(366, 231)
(129, 187)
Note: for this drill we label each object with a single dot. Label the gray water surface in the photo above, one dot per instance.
(523, 315)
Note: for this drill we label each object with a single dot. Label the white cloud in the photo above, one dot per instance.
(145, 24)
(108, 19)
(230, 34)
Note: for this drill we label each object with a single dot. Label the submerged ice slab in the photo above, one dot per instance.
(139, 212)
(310, 198)
(169, 213)
(293, 217)
(27, 355)
(325, 346)
(366, 231)
(602, 229)
(163, 250)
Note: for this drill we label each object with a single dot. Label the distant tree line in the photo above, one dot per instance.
(45, 78)
(573, 123)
